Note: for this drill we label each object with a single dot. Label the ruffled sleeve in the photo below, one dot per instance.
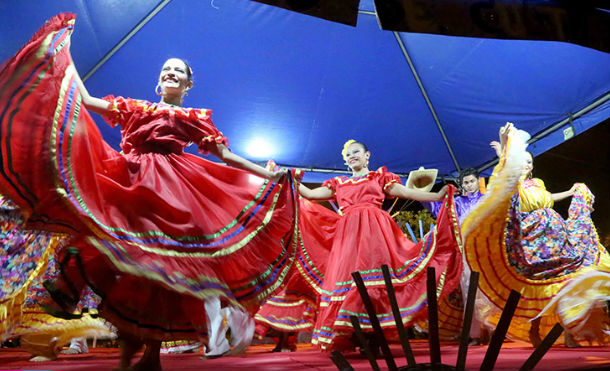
(540, 183)
(120, 110)
(207, 133)
(387, 179)
(331, 184)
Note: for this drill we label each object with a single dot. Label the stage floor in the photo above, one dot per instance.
(258, 357)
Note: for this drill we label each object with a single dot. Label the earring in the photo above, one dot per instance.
(157, 90)
(186, 91)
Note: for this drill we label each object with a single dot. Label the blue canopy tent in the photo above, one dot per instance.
(294, 88)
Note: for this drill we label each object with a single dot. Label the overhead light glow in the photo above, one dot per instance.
(260, 148)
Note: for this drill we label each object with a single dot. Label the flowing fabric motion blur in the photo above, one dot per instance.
(154, 231)
(28, 259)
(518, 242)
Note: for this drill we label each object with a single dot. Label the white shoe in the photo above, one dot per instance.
(77, 346)
(218, 344)
(242, 329)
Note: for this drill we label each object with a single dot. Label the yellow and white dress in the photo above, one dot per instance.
(520, 243)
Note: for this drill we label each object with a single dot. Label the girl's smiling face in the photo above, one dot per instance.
(356, 156)
(174, 79)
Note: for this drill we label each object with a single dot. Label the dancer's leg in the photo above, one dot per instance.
(151, 360)
(534, 332)
(286, 342)
(569, 341)
(129, 345)
(282, 342)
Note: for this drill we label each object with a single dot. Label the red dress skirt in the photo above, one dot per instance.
(155, 231)
(294, 309)
(365, 238)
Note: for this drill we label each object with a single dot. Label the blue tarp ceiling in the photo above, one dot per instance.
(294, 88)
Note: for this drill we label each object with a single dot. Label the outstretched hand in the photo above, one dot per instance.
(563, 195)
(573, 189)
(503, 135)
(497, 147)
(275, 177)
(443, 191)
(504, 131)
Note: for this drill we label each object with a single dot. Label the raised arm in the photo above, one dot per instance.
(563, 195)
(93, 104)
(398, 190)
(503, 136)
(222, 152)
(319, 193)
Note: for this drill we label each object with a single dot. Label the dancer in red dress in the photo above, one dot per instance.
(293, 310)
(365, 238)
(155, 231)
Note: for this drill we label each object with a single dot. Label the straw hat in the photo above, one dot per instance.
(422, 179)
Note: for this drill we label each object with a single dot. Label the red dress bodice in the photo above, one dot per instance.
(161, 128)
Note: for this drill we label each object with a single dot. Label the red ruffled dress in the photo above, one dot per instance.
(294, 309)
(155, 231)
(365, 238)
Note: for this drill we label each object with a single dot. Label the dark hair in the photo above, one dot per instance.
(349, 143)
(366, 149)
(189, 71)
(466, 172)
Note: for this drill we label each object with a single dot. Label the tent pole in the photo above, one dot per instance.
(120, 44)
(598, 102)
(333, 171)
(312, 169)
(425, 94)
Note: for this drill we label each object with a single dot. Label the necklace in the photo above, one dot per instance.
(361, 175)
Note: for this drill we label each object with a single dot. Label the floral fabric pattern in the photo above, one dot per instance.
(21, 250)
(541, 244)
